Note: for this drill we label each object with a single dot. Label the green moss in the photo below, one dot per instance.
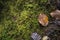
(19, 18)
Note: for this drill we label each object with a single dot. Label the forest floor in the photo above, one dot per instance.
(19, 18)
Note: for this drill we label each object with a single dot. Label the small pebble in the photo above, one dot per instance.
(45, 38)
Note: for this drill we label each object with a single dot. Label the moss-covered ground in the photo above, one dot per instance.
(19, 18)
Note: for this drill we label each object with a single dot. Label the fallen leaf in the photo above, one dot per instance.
(55, 14)
(43, 19)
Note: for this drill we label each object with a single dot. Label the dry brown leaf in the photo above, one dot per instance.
(43, 19)
(55, 14)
